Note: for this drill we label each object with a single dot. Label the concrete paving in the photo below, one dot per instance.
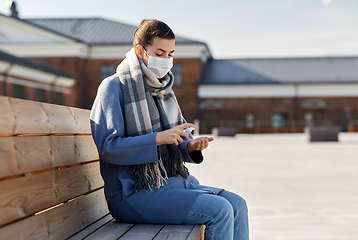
(294, 189)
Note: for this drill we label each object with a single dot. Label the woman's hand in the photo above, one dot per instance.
(199, 144)
(173, 135)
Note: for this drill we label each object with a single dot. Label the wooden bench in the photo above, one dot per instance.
(50, 183)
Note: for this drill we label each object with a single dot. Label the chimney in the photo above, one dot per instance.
(14, 12)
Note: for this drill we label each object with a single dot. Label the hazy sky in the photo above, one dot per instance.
(231, 28)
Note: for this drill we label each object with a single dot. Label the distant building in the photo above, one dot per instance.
(26, 79)
(245, 95)
(279, 94)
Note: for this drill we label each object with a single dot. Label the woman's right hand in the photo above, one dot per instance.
(173, 135)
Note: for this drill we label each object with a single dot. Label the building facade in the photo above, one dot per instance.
(26, 79)
(279, 94)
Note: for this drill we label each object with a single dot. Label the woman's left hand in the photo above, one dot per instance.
(199, 144)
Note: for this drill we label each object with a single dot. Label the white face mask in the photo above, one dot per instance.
(159, 66)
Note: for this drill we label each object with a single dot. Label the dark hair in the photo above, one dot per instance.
(149, 30)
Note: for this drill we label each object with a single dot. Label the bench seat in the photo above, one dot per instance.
(108, 228)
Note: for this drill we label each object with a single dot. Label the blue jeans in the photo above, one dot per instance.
(225, 216)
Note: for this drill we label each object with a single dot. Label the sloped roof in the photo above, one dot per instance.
(32, 64)
(94, 31)
(281, 71)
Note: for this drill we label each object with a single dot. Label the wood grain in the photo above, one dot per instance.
(63, 150)
(30, 117)
(60, 222)
(174, 232)
(24, 196)
(91, 228)
(142, 232)
(7, 119)
(24, 154)
(86, 148)
(82, 117)
(111, 231)
(197, 233)
(7, 157)
(61, 119)
(33, 153)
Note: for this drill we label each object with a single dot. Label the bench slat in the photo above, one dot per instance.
(82, 117)
(20, 197)
(18, 116)
(60, 118)
(73, 149)
(30, 117)
(91, 228)
(60, 222)
(86, 148)
(174, 232)
(20, 155)
(32, 153)
(197, 233)
(7, 157)
(111, 231)
(7, 119)
(142, 232)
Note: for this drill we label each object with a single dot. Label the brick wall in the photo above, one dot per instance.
(234, 108)
(30, 93)
(74, 66)
(84, 91)
(93, 74)
(187, 93)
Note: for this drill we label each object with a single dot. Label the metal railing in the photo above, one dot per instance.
(269, 126)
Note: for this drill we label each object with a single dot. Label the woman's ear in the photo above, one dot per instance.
(139, 51)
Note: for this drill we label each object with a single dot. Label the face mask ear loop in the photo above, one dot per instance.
(145, 51)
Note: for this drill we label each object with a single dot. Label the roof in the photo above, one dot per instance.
(281, 71)
(94, 31)
(32, 64)
(30, 70)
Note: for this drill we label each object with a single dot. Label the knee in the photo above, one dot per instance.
(240, 206)
(238, 203)
(224, 209)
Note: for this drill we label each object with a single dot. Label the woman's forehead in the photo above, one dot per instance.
(162, 44)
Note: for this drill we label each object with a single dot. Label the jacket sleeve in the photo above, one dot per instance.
(108, 130)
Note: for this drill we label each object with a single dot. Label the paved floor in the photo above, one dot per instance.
(294, 189)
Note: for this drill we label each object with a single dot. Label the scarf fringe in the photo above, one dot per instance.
(154, 175)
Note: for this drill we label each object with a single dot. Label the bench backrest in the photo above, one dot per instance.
(50, 183)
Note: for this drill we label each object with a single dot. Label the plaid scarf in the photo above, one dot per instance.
(150, 106)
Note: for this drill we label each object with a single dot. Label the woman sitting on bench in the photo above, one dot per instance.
(138, 128)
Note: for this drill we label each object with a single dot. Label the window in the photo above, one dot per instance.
(59, 98)
(177, 71)
(278, 120)
(249, 120)
(41, 95)
(107, 70)
(19, 91)
(309, 119)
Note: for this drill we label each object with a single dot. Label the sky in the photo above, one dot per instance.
(230, 28)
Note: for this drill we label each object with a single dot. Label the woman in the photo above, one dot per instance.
(138, 128)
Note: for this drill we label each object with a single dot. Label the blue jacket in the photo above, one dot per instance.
(169, 204)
